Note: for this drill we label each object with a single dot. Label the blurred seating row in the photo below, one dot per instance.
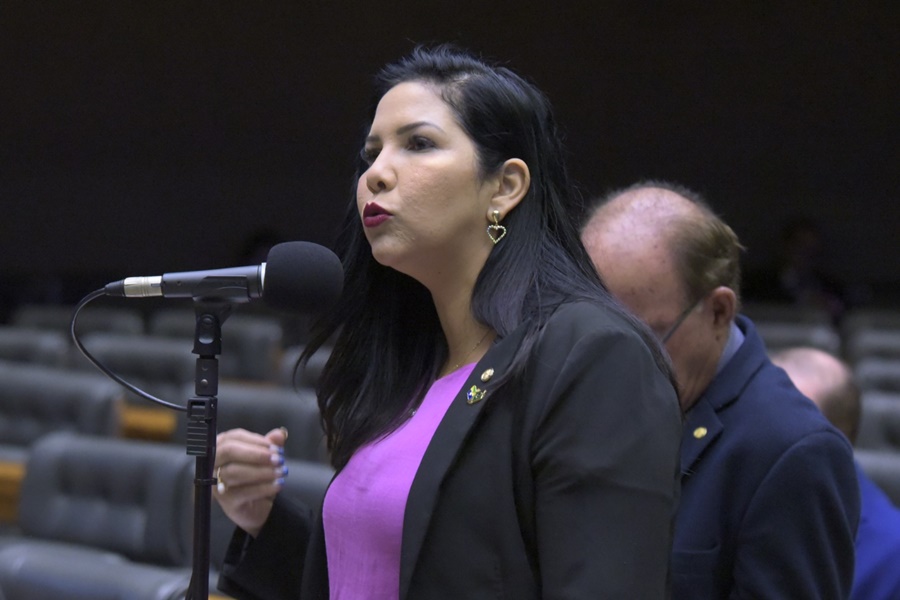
(863, 332)
(251, 343)
(105, 518)
(37, 399)
(162, 365)
(867, 339)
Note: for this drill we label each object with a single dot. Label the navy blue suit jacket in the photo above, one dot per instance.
(877, 545)
(770, 503)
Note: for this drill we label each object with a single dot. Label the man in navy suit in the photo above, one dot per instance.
(828, 382)
(770, 503)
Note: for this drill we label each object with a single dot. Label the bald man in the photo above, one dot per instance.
(769, 505)
(828, 382)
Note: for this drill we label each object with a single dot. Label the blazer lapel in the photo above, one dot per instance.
(444, 447)
(702, 424)
(701, 428)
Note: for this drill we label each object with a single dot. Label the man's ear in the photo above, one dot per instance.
(723, 303)
(513, 182)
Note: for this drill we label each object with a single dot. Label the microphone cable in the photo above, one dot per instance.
(106, 371)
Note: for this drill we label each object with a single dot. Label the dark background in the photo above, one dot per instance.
(144, 137)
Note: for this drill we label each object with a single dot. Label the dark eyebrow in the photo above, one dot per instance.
(405, 129)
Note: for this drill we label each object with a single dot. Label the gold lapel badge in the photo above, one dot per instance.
(475, 394)
(486, 376)
(700, 432)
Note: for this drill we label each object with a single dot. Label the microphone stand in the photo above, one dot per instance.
(201, 432)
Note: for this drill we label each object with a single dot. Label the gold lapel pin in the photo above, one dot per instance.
(486, 376)
(700, 432)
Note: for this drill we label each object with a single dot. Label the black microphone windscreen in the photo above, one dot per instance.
(302, 277)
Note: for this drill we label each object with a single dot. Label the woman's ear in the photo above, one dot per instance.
(513, 181)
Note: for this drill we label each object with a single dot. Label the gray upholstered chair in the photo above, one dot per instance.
(872, 343)
(101, 518)
(779, 335)
(879, 425)
(873, 373)
(35, 346)
(159, 366)
(36, 400)
(251, 344)
(262, 408)
(308, 376)
(57, 317)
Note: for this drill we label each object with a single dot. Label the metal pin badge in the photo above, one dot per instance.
(475, 394)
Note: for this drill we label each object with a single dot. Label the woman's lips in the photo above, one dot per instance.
(374, 215)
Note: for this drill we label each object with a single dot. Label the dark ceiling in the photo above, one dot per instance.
(140, 137)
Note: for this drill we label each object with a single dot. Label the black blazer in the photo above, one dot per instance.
(560, 484)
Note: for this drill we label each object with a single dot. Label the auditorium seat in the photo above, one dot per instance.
(872, 343)
(101, 518)
(251, 344)
(36, 399)
(874, 373)
(159, 366)
(58, 317)
(37, 346)
(781, 335)
(262, 408)
(308, 376)
(883, 467)
(879, 425)
(869, 319)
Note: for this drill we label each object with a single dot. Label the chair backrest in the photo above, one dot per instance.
(91, 318)
(38, 346)
(873, 373)
(308, 376)
(884, 469)
(872, 343)
(863, 319)
(263, 408)
(128, 497)
(159, 366)
(251, 344)
(879, 424)
(36, 399)
(777, 335)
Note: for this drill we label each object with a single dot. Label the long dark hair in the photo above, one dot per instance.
(388, 343)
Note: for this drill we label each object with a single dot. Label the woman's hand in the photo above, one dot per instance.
(250, 471)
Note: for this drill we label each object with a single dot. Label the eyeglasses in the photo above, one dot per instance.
(681, 318)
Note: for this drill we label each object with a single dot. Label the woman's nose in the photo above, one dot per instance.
(380, 176)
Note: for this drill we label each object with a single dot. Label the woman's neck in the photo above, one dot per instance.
(467, 339)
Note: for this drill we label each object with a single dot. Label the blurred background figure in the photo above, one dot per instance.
(798, 275)
(828, 382)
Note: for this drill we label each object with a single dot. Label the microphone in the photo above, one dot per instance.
(296, 277)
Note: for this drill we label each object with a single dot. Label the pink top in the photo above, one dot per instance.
(364, 506)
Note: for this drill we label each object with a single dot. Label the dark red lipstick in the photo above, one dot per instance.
(374, 215)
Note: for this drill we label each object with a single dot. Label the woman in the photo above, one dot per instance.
(500, 427)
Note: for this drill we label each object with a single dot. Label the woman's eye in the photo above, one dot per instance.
(368, 155)
(418, 143)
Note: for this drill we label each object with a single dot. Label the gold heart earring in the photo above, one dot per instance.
(496, 231)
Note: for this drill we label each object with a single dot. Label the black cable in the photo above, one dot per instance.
(92, 296)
